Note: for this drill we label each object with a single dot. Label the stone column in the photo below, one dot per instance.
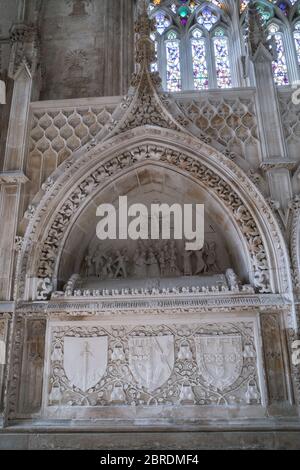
(273, 142)
(22, 67)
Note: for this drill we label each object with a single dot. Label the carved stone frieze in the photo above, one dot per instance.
(176, 303)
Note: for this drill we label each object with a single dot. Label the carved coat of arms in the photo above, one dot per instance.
(85, 360)
(220, 359)
(151, 360)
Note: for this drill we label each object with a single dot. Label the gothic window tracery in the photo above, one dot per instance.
(204, 52)
(280, 17)
(297, 40)
(222, 61)
(173, 66)
(280, 69)
(192, 43)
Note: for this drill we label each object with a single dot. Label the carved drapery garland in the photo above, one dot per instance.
(207, 177)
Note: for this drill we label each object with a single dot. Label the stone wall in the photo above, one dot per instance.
(87, 48)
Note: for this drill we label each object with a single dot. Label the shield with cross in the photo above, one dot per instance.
(85, 360)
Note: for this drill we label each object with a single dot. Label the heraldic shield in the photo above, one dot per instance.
(220, 359)
(85, 360)
(151, 360)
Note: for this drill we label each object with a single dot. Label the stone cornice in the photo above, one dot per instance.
(77, 307)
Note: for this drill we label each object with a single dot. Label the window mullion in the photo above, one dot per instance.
(211, 64)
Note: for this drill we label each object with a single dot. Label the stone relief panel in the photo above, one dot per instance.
(201, 364)
(156, 153)
(141, 260)
(231, 121)
(33, 366)
(290, 115)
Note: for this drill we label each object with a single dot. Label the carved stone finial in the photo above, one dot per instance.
(257, 33)
(145, 48)
(24, 48)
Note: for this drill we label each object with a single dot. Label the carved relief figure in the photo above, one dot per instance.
(140, 263)
(162, 263)
(187, 263)
(153, 267)
(98, 260)
(174, 269)
(88, 265)
(120, 264)
(201, 266)
(144, 260)
(107, 271)
(211, 258)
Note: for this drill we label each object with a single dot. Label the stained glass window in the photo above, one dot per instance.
(297, 40)
(222, 61)
(207, 18)
(190, 52)
(280, 70)
(162, 22)
(173, 62)
(200, 70)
